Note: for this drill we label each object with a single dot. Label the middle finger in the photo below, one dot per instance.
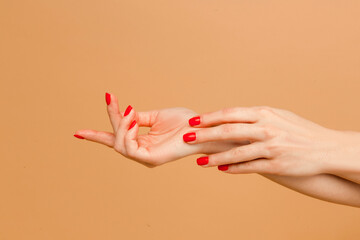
(237, 131)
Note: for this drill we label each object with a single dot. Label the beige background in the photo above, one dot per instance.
(58, 58)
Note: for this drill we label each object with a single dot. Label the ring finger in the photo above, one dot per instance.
(238, 154)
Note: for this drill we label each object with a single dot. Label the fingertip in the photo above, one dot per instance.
(194, 121)
(128, 110)
(130, 142)
(78, 136)
(223, 168)
(189, 137)
(108, 98)
(202, 161)
(132, 124)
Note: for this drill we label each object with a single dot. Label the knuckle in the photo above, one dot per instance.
(247, 165)
(227, 111)
(276, 167)
(282, 136)
(250, 166)
(273, 149)
(237, 152)
(265, 110)
(217, 159)
(269, 131)
(214, 160)
(227, 128)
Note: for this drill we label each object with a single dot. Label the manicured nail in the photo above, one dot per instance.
(188, 137)
(108, 98)
(127, 111)
(132, 124)
(202, 160)
(194, 121)
(223, 167)
(78, 136)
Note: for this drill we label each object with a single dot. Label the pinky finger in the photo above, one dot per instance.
(260, 165)
(105, 138)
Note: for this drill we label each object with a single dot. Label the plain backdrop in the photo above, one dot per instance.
(57, 60)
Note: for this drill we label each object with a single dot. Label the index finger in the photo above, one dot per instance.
(227, 115)
(113, 110)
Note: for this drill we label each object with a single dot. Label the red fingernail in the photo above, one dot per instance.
(194, 121)
(132, 124)
(188, 137)
(78, 136)
(127, 111)
(202, 160)
(108, 98)
(223, 167)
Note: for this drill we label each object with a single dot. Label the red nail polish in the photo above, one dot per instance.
(108, 98)
(132, 124)
(188, 137)
(78, 136)
(194, 121)
(202, 160)
(127, 111)
(223, 167)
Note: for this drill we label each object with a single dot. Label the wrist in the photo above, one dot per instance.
(345, 158)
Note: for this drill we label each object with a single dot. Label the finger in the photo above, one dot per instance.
(128, 118)
(228, 115)
(131, 144)
(235, 155)
(230, 131)
(147, 119)
(262, 166)
(113, 110)
(105, 138)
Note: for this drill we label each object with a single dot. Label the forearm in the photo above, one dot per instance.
(325, 187)
(341, 182)
(354, 177)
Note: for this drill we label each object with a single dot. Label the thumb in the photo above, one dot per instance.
(147, 119)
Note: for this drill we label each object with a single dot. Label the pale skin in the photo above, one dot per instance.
(275, 143)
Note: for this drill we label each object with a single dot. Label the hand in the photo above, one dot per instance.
(282, 142)
(162, 143)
